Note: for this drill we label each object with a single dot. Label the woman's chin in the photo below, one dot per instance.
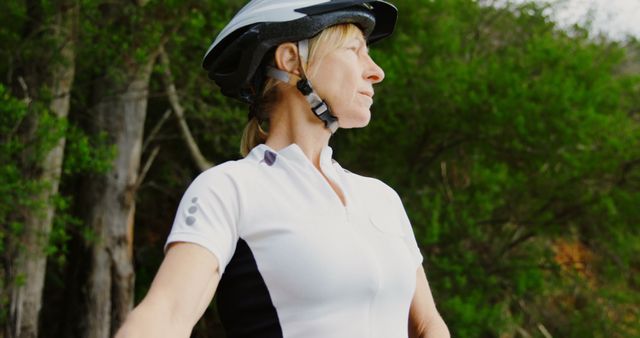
(359, 121)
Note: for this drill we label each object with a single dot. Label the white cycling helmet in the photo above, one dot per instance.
(235, 60)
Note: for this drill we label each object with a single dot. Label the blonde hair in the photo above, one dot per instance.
(329, 39)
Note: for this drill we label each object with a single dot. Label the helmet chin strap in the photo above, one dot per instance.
(318, 106)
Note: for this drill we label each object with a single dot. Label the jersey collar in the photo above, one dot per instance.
(292, 153)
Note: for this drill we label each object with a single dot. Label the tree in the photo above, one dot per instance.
(120, 110)
(49, 85)
(134, 36)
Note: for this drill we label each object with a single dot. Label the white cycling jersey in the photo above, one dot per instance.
(295, 261)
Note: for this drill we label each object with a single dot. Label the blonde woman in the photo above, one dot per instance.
(292, 244)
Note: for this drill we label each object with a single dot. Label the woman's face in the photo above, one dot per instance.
(344, 78)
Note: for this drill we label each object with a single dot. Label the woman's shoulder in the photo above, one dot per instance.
(233, 171)
(370, 185)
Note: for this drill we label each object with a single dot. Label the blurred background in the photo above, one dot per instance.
(511, 129)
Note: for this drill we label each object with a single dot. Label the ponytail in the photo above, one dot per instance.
(259, 111)
(252, 136)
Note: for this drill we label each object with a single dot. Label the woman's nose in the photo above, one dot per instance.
(373, 72)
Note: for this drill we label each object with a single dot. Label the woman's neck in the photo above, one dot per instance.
(292, 121)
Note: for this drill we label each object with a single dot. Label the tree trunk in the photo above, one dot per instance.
(110, 284)
(26, 299)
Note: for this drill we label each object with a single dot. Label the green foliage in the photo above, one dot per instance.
(87, 154)
(57, 249)
(506, 135)
(515, 146)
(16, 188)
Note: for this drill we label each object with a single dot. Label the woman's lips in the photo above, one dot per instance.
(367, 96)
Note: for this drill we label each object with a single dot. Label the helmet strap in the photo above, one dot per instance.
(318, 106)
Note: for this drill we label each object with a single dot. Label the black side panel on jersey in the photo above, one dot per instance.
(243, 300)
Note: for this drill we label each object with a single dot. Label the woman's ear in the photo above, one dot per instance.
(286, 58)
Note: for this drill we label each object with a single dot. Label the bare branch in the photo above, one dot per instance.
(544, 331)
(156, 129)
(202, 163)
(130, 193)
(516, 241)
(147, 165)
(25, 89)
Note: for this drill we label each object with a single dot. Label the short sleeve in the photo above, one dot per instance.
(407, 230)
(208, 215)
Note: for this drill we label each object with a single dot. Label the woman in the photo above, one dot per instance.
(292, 244)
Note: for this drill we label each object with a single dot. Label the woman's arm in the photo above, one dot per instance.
(180, 293)
(424, 319)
